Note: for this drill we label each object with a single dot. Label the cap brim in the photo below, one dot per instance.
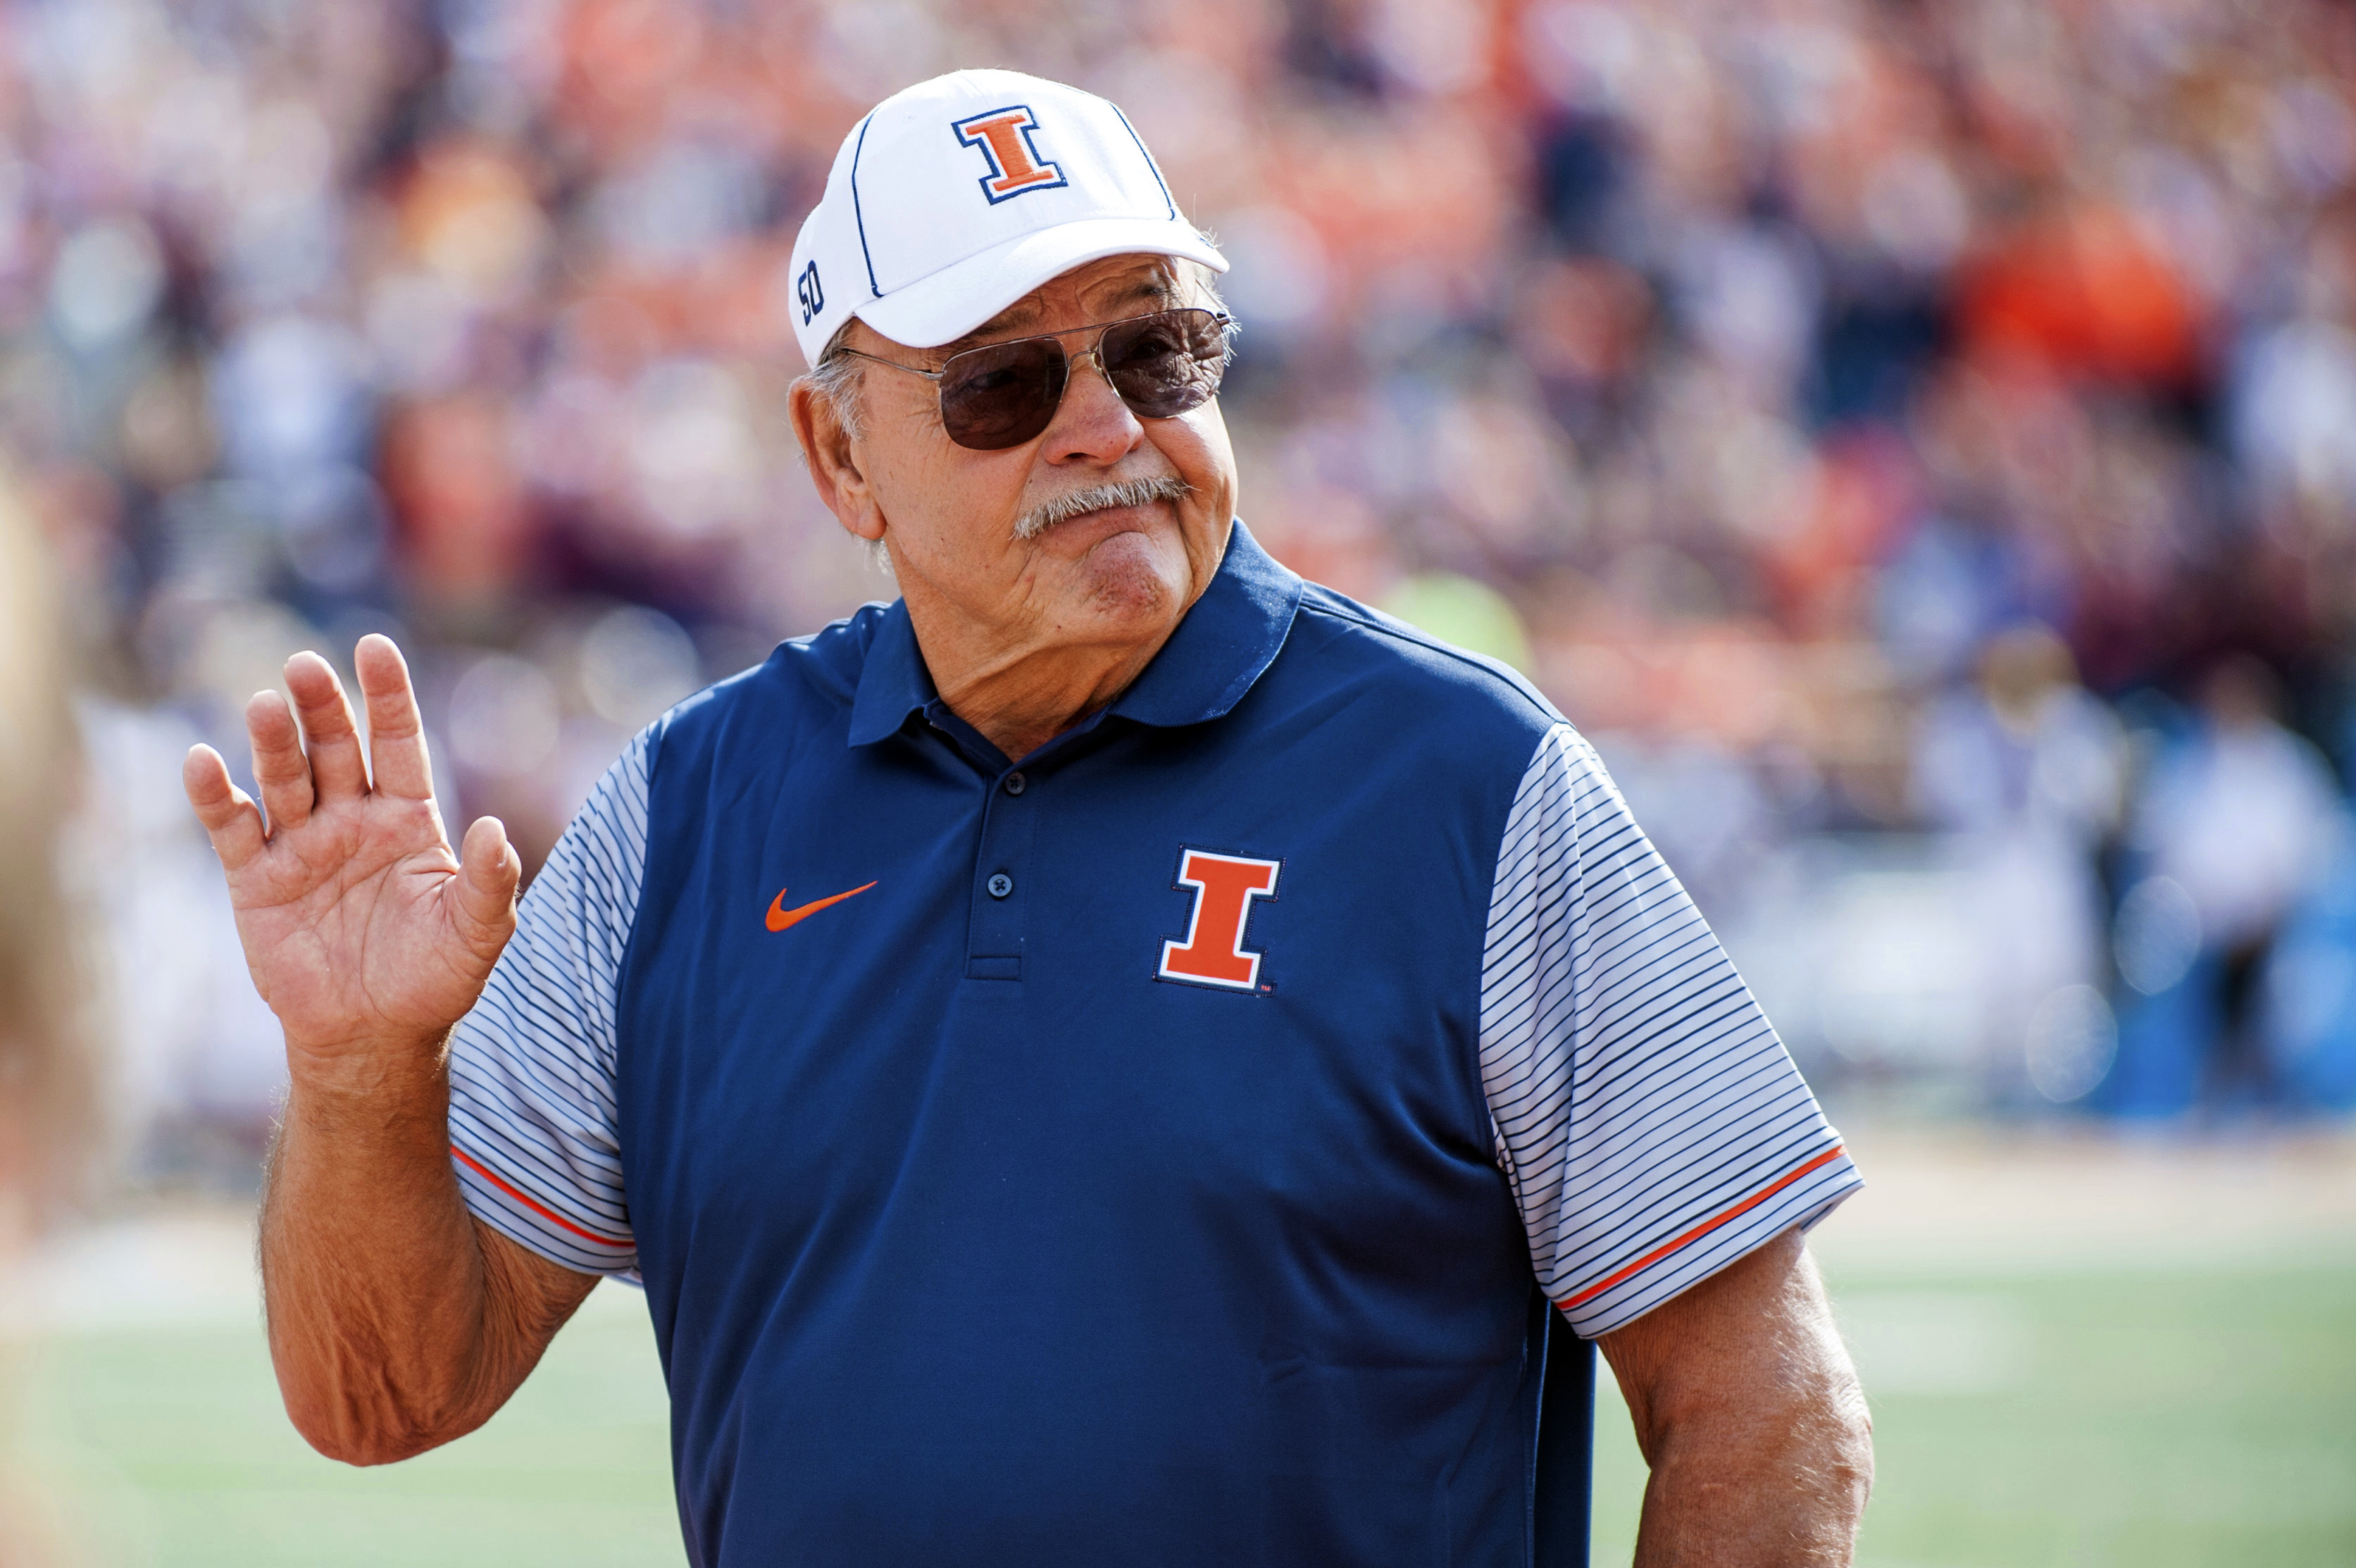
(960, 298)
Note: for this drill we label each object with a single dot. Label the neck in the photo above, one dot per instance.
(1022, 697)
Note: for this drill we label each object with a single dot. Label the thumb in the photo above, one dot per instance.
(484, 892)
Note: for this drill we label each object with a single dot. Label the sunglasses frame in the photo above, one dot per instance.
(1095, 350)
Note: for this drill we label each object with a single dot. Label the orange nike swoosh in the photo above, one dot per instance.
(780, 917)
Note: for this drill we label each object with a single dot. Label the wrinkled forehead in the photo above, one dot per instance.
(1105, 290)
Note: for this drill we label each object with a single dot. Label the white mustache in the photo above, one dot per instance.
(1096, 498)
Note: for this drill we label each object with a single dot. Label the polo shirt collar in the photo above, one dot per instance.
(893, 682)
(1221, 646)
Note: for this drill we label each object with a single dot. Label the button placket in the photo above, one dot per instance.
(1002, 868)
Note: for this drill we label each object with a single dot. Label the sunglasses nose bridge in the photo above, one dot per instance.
(1094, 353)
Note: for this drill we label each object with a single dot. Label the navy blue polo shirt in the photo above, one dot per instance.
(1141, 1151)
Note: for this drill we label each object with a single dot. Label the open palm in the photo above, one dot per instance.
(362, 930)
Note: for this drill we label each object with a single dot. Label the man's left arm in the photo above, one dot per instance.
(1750, 1415)
(1666, 1155)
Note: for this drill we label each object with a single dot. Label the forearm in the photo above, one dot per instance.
(377, 1285)
(1748, 1412)
(1783, 1487)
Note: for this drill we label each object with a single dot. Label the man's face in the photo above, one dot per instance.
(962, 525)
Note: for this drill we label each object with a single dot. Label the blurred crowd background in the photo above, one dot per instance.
(1916, 440)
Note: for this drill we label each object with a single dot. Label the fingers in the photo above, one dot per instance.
(279, 764)
(396, 734)
(329, 736)
(227, 812)
(488, 871)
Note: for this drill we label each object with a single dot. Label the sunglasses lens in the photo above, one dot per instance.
(1164, 365)
(1005, 394)
(1002, 394)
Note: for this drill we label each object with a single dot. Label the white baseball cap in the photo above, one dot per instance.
(957, 196)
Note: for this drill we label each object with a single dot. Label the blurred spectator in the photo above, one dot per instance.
(2237, 823)
(46, 1010)
(1765, 364)
(45, 1005)
(2026, 772)
(191, 1085)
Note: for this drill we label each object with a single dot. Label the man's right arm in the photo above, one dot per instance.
(397, 1321)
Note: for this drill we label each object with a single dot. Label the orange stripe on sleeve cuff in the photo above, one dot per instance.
(542, 1210)
(1698, 1232)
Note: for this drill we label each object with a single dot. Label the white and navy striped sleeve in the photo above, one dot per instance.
(532, 1068)
(1651, 1124)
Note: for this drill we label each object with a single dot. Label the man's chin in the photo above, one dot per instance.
(1130, 575)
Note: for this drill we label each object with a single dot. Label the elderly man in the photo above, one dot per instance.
(1094, 1062)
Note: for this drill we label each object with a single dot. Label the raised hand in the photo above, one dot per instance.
(362, 930)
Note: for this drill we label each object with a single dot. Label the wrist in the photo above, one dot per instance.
(387, 1075)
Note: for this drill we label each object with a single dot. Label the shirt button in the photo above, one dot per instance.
(1001, 885)
(1016, 783)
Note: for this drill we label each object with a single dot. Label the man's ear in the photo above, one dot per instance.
(833, 461)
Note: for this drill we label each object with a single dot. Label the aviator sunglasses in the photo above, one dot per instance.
(1003, 394)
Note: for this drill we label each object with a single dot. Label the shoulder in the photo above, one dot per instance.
(1444, 694)
(807, 682)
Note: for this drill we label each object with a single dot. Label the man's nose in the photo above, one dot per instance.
(1092, 424)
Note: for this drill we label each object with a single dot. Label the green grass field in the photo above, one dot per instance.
(2084, 1416)
(2147, 1420)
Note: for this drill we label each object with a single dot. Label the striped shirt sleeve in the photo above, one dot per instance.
(533, 1130)
(1652, 1125)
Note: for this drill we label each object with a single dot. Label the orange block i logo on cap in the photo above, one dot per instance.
(1004, 138)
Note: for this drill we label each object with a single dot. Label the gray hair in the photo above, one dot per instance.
(1121, 492)
(1204, 278)
(838, 377)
